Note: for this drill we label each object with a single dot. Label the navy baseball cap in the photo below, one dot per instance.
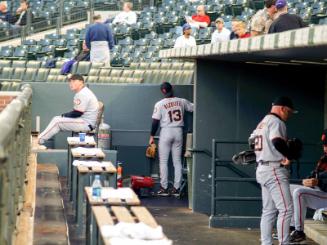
(186, 26)
(324, 137)
(284, 101)
(280, 4)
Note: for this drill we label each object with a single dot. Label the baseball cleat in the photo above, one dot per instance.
(163, 192)
(175, 192)
(298, 237)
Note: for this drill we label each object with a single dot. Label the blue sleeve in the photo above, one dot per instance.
(87, 39)
(110, 39)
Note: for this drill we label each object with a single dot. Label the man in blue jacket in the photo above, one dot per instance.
(99, 40)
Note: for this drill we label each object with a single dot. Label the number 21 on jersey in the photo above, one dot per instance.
(175, 115)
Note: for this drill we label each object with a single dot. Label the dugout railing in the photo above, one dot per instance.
(15, 128)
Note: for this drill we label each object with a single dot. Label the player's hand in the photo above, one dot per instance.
(286, 162)
(151, 140)
(310, 182)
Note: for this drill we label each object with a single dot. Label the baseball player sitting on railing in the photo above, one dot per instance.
(313, 194)
(83, 116)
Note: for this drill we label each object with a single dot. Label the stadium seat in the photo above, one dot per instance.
(189, 66)
(105, 72)
(94, 72)
(127, 73)
(169, 76)
(116, 72)
(62, 78)
(134, 65)
(30, 42)
(177, 66)
(95, 65)
(33, 64)
(30, 74)
(18, 73)
(138, 74)
(18, 63)
(55, 71)
(52, 78)
(92, 79)
(154, 66)
(144, 66)
(42, 75)
(6, 73)
(148, 76)
(5, 63)
(103, 79)
(165, 66)
(83, 68)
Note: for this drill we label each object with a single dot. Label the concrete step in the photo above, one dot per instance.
(316, 230)
(50, 226)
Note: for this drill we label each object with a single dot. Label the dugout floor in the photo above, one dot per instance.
(179, 224)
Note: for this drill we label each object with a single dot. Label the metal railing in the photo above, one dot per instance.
(15, 128)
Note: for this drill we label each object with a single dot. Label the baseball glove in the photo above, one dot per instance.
(151, 151)
(295, 147)
(244, 158)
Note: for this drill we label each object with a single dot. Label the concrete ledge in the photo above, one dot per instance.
(316, 230)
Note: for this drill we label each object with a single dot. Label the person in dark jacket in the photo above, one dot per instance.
(5, 15)
(285, 21)
(99, 40)
(312, 194)
(22, 13)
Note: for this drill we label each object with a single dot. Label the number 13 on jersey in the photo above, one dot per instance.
(175, 115)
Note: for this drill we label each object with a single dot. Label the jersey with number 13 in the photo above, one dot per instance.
(170, 111)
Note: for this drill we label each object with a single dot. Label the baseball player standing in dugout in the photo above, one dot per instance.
(82, 118)
(270, 146)
(169, 113)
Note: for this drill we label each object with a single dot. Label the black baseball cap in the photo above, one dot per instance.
(284, 101)
(324, 137)
(166, 89)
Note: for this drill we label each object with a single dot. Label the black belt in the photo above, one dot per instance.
(267, 163)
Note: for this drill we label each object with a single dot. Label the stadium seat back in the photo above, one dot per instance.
(42, 75)
(5, 63)
(33, 64)
(83, 67)
(18, 63)
(30, 75)
(18, 73)
(6, 73)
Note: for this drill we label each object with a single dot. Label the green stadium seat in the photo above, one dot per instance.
(33, 64)
(18, 63)
(5, 63)
(165, 66)
(105, 72)
(169, 76)
(92, 79)
(144, 66)
(138, 74)
(116, 72)
(154, 66)
(83, 68)
(187, 77)
(18, 73)
(94, 72)
(6, 73)
(134, 65)
(42, 75)
(127, 73)
(177, 66)
(189, 66)
(148, 76)
(52, 78)
(55, 71)
(178, 77)
(97, 65)
(30, 75)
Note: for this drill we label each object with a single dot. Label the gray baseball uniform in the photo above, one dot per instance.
(84, 101)
(170, 112)
(303, 198)
(274, 180)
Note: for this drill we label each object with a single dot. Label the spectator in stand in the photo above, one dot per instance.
(241, 31)
(22, 13)
(5, 15)
(222, 34)
(285, 21)
(186, 40)
(262, 20)
(127, 16)
(99, 40)
(233, 34)
(200, 20)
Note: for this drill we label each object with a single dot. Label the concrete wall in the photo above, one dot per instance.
(128, 110)
(230, 101)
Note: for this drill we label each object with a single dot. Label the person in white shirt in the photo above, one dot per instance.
(186, 40)
(222, 34)
(127, 16)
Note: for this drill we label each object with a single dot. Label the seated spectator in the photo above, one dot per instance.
(312, 194)
(4, 13)
(233, 34)
(222, 34)
(241, 31)
(285, 21)
(127, 16)
(200, 20)
(262, 20)
(22, 13)
(186, 40)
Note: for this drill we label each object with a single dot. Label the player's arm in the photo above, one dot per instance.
(156, 116)
(189, 106)
(276, 135)
(73, 114)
